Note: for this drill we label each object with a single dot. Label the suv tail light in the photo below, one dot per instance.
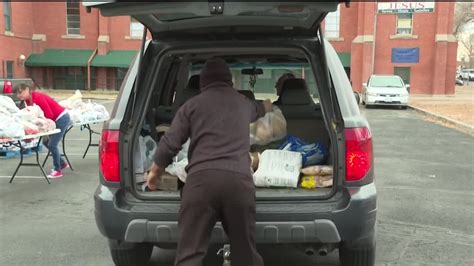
(109, 155)
(358, 153)
(7, 87)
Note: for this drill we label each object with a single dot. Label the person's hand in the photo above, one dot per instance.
(268, 105)
(153, 177)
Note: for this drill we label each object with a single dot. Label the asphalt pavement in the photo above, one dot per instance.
(424, 176)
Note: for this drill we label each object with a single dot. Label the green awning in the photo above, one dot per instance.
(114, 58)
(345, 59)
(59, 58)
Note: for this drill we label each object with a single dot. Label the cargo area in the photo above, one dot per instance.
(290, 147)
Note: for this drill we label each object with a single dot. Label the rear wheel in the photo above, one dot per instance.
(357, 97)
(403, 107)
(130, 254)
(358, 254)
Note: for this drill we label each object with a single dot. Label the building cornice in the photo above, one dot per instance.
(363, 39)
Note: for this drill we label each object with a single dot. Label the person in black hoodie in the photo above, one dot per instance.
(219, 184)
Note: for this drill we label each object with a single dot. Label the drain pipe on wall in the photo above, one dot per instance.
(89, 69)
(375, 38)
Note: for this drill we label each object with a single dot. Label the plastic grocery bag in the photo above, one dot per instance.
(268, 128)
(278, 168)
(76, 116)
(317, 170)
(72, 102)
(180, 161)
(315, 153)
(4, 111)
(100, 110)
(10, 128)
(30, 128)
(7, 103)
(149, 146)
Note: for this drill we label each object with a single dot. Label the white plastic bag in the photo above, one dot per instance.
(10, 128)
(180, 161)
(88, 117)
(278, 168)
(7, 103)
(4, 111)
(178, 168)
(101, 111)
(31, 112)
(149, 147)
(76, 96)
(268, 128)
(76, 116)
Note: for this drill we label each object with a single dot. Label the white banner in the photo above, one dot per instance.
(405, 7)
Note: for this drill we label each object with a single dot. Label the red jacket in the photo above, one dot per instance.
(50, 107)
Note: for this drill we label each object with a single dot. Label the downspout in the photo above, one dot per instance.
(93, 54)
(89, 69)
(375, 38)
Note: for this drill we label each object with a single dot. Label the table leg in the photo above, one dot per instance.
(90, 139)
(21, 161)
(46, 158)
(37, 160)
(29, 164)
(64, 147)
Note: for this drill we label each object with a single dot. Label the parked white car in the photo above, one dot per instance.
(467, 74)
(385, 90)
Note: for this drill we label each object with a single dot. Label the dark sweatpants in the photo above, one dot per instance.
(209, 196)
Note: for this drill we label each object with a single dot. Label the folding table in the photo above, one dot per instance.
(18, 143)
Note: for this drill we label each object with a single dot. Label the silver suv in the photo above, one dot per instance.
(267, 39)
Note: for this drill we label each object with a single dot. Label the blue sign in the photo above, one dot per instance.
(405, 55)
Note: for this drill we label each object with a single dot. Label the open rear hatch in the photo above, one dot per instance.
(186, 20)
(165, 18)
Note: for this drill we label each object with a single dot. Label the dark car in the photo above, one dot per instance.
(7, 87)
(319, 106)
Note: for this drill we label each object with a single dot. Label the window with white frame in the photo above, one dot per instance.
(332, 22)
(136, 28)
(73, 17)
(405, 24)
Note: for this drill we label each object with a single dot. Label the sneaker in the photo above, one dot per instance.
(55, 174)
(65, 165)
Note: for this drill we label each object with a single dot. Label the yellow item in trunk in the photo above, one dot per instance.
(308, 181)
(316, 181)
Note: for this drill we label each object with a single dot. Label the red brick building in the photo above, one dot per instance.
(67, 49)
(74, 49)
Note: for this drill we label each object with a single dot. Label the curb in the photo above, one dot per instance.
(462, 126)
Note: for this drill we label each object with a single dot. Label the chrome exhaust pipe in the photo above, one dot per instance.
(309, 251)
(323, 251)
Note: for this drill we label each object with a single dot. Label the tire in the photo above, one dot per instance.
(403, 107)
(130, 254)
(357, 97)
(358, 254)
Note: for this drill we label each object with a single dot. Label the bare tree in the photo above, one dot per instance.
(463, 14)
(467, 40)
(463, 21)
